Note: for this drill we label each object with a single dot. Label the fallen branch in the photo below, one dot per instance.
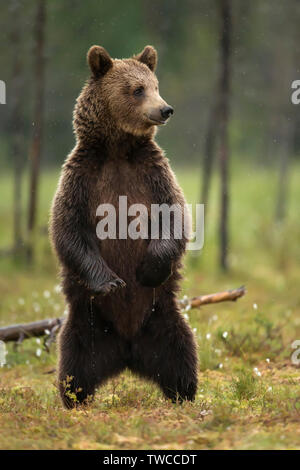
(232, 295)
(23, 331)
(51, 326)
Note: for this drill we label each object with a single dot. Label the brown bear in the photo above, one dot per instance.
(121, 292)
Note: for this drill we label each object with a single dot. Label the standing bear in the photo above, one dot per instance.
(120, 290)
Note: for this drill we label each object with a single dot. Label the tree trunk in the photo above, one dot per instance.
(209, 153)
(225, 75)
(16, 125)
(36, 149)
(286, 140)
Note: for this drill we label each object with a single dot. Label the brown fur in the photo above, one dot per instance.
(115, 154)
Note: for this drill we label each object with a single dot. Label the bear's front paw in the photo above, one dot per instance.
(153, 274)
(109, 286)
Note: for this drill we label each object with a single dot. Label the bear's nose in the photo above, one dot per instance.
(166, 112)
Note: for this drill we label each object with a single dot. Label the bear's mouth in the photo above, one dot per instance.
(157, 122)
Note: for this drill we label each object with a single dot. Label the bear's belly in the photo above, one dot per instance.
(127, 307)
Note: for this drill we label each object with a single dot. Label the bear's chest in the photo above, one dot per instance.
(126, 180)
(123, 211)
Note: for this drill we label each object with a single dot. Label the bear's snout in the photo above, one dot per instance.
(161, 113)
(166, 112)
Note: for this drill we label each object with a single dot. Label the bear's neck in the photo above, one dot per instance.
(120, 145)
(105, 139)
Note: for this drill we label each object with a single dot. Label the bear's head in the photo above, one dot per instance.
(121, 95)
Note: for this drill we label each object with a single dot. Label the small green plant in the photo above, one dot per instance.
(244, 386)
(208, 353)
(72, 395)
(260, 335)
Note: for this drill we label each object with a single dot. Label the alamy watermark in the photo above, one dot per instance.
(160, 222)
(295, 357)
(2, 92)
(295, 97)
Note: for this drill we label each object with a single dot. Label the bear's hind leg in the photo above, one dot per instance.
(165, 352)
(76, 378)
(90, 353)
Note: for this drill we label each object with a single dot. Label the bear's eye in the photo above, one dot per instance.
(139, 91)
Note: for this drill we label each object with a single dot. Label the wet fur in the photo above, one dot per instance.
(104, 334)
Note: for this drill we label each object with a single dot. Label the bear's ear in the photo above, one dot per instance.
(99, 61)
(148, 57)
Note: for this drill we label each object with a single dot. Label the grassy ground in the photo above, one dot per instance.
(249, 390)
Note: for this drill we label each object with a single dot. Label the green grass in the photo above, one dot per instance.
(249, 390)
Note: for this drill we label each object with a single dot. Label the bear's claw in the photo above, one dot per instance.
(110, 286)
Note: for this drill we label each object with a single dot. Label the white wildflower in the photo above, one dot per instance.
(36, 307)
(3, 353)
(257, 372)
(205, 412)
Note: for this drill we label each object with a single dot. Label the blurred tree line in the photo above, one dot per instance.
(266, 39)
